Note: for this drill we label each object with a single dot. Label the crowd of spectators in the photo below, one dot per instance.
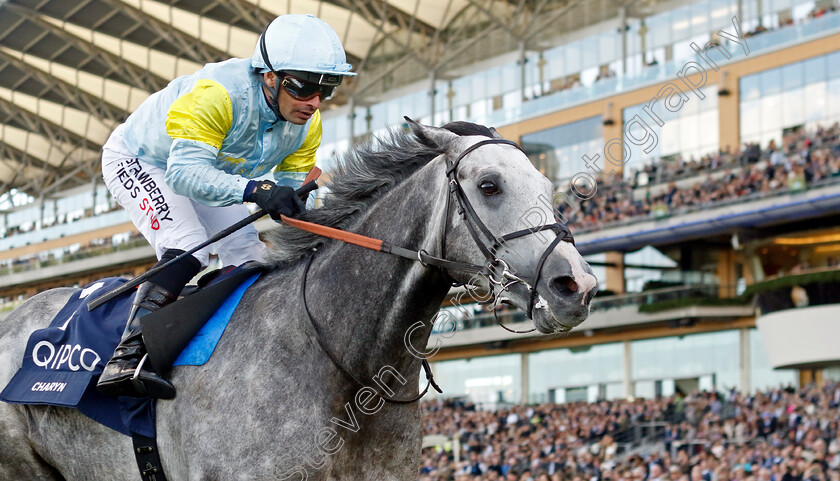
(803, 159)
(605, 72)
(786, 20)
(776, 435)
(63, 219)
(73, 252)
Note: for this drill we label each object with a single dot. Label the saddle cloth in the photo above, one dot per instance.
(62, 362)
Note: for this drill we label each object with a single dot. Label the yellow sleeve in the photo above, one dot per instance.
(205, 114)
(304, 158)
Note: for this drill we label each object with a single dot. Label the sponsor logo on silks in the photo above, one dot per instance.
(45, 355)
(135, 181)
(49, 386)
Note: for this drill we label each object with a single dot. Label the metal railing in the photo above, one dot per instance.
(465, 316)
(709, 291)
(31, 264)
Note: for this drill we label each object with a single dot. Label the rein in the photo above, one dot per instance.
(381, 246)
(497, 270)
(430, 378)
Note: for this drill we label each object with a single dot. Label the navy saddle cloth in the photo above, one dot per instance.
(62, 363)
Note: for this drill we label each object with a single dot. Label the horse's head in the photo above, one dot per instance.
(505, 201)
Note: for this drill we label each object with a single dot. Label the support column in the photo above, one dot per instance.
(352, 118)
(643, 30)
(729, 127)
(745, 366)
(523, 60)
(93, 195)
(523, 373)
(622, 14)
(541, 63)
(759, 12)
(757, 268)
(613, 131)
(808, 376)
(726, 273)
(432, 92)
(627, 380)
(615, 275)
(450, 100)
(40, 223)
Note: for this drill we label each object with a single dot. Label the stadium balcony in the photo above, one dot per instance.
(751, 211)
(798, 319)
(465, 327)
(766, 42)
(511, 107)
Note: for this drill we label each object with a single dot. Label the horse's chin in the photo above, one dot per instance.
(547, 319)
(546, 323)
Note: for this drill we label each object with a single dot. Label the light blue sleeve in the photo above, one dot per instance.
(294, 180)
(190, 172)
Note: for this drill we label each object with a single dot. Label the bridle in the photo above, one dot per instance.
(497, 271)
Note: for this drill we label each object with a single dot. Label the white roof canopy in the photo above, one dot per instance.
(70, 71)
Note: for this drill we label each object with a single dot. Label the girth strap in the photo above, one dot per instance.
(147, 457)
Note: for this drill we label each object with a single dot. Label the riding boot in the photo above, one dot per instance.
(128, 373)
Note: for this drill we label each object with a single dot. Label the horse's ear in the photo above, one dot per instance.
(431, 136)
(496, 134)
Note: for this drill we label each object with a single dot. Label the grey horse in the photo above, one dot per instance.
(270, 404)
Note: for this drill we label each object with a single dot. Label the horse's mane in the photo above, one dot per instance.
(362, 175)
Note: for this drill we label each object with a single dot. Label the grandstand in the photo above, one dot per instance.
(695, 151)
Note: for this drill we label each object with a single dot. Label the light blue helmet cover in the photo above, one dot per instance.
(302, 42)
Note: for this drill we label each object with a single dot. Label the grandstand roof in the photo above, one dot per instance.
(71, 71)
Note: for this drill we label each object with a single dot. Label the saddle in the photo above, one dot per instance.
(62, 362)
(170, 332)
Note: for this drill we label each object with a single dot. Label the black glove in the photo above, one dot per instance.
(275, 199)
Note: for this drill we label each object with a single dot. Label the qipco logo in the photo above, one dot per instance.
(45, 355)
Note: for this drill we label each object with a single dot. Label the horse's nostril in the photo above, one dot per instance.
(564, 285)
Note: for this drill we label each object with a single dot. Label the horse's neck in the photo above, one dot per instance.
(383, 294)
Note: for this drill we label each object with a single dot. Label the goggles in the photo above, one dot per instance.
(301, 89)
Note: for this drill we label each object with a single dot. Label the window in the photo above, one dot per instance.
(690, 132)
(784, 97)
(557, 152)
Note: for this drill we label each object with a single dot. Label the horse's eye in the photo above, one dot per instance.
(488, 188)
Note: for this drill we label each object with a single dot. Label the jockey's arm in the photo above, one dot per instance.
(198, 123)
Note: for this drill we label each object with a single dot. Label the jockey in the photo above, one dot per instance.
(185, 161)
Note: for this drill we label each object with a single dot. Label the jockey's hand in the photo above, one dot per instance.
(275, 199)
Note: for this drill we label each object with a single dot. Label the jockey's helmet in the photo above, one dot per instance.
(306, 55)
(301, 43)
